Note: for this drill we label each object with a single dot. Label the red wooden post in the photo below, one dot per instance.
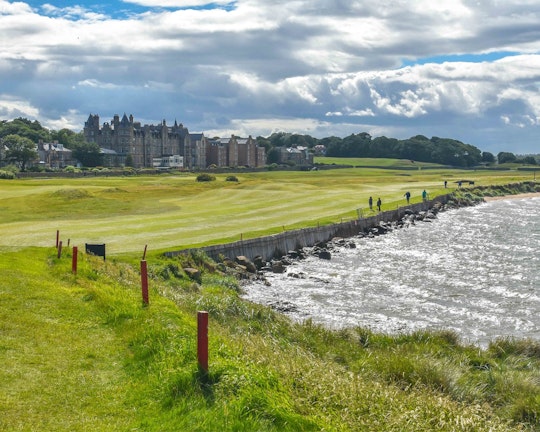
(202, 340)
(59, 248)
(57, 237)
(144, 282)
(74, 260)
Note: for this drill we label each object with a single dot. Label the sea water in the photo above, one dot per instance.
(474, 270)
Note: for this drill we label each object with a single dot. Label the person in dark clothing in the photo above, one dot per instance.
(379, 202)
(370, 203)
(408, 196)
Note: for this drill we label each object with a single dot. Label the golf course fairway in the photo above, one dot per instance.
(175, 211)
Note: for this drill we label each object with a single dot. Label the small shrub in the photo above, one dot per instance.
(205, 177)
(7, 175)
(11, 168)
(231, 178)
(37, 169)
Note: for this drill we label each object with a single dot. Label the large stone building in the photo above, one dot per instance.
(235, 151)
(296, 155)
(124, 140)
(53, 155)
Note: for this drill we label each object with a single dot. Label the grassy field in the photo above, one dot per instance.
(81, 353)
(375, 162)
(175, 211)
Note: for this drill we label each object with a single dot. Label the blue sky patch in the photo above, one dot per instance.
(469, 58)
(115, 9)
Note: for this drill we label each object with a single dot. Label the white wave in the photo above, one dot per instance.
(473, 270)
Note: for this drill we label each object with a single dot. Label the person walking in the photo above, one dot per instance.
(370, 203)
(408, 196)
(379, 203)
(424, 195)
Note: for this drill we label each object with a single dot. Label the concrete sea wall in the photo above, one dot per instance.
(277, 245)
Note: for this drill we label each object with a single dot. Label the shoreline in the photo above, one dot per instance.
(512, 197)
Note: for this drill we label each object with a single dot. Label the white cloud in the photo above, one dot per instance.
(313, 66)
(96, 84)
(14, 8)
(267, 126)
(12, 107)
(72, 120)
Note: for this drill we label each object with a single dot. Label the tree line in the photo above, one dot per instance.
(444, 151)
(19, 136)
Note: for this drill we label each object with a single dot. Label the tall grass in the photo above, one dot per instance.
(81, 352)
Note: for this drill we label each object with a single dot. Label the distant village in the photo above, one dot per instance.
(126, 142)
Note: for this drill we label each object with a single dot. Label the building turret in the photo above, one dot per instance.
(91, 128)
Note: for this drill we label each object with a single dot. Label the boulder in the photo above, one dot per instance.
(193, 274)
(259, 262)
(247, 263)
(293, 254)
(229, 263)
(278, 267)
(325, 254)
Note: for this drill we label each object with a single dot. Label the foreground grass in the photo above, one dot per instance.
(80, 353)
(174, 211)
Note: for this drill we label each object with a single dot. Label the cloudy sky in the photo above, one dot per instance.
(463, 69)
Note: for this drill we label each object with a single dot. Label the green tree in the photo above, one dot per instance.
(264, 142)
(272, 156)
(129, 161)
(67, 137)
(527, 160)
(88, 154)
(488, 157)
(24, 128)
(506, 157)
(20, 150)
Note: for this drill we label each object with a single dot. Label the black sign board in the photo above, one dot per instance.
(96, 249)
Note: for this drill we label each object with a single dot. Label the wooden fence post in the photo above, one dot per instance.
(74, 260)
(144, 283)
(202, 340)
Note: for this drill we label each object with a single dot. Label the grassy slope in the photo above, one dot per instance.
(80, 353)
(176, 211)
